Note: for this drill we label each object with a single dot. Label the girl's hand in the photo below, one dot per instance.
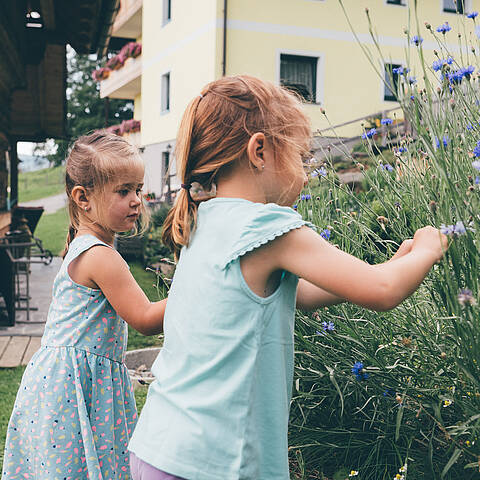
(432, 240)
(403, 249)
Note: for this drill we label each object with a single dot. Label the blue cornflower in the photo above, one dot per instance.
(412, 80)
(449, 60)
(306, 197)
(370, 133)
(456, 77)
(416, 40)
(445, 141)
(389, 393)
(477, 180)
(325, 233)
(400, 70)
(328, 326)
(446, 229)
(387, 167)
(412, 97)
(357, 370)
(295, 207)
(444, 28)
(438, 64)
(467, 71)
(476, 153)
(402, 149)
(469, 126)
(322, 171)
(457, 229)
(386, 121)
(472, 15)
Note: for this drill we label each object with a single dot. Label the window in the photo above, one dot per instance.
(299, 74)
(391, 81)
(454, 6)
(165, 101)
(167, 11)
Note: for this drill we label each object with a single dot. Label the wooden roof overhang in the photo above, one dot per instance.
(33, 60)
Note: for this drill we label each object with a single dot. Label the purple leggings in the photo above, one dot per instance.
(141, 470)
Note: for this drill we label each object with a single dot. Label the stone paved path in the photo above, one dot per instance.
(50, 204)
(18, 343)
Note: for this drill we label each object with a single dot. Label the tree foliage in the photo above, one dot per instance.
(86, 111)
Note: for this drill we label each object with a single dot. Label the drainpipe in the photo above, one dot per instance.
(224, 66)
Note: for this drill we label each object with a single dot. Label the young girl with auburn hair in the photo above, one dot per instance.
(75, 410)
(218, 408)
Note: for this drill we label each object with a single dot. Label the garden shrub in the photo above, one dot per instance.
(397, 394)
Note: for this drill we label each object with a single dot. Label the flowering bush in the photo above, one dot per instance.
(127, 126)
(381, 392)
(116, 62)
(130, 50)
(101, 74)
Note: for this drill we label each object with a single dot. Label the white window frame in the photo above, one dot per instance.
(165, 94)
(403, 4)
(166, 12)
(389, 62)
(467, 7)
(303, 53)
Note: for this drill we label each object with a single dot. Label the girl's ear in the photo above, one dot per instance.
(256, 150)
(80, 197)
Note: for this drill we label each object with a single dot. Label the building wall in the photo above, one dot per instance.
(348, 86)
(185, 47)
(190, 48)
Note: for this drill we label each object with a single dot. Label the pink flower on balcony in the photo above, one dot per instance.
(131, 49)
(101, 74)
(116, 62)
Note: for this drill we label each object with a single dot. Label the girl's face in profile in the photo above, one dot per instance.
(292, 181)
(121, 201)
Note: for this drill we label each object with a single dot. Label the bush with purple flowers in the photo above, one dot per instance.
(381, 389)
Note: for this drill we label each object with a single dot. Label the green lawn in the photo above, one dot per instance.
(41, 183)
(52, 230)
(9, 383)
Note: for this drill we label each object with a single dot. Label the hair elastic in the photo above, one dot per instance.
(187, 186)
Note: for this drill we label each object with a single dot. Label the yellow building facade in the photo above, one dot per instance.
(305, 44)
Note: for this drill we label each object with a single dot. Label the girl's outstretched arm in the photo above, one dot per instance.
(377, 287)
(310, 297)
(109, 272)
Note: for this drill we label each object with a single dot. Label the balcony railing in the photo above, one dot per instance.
(125, 82)
(128, 23)
(129, 129)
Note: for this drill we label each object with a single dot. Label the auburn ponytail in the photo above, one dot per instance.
(214, 134)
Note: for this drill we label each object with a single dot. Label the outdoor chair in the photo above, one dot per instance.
(15, 261)
(31, 216)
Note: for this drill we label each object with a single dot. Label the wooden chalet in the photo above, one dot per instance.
(34, 34)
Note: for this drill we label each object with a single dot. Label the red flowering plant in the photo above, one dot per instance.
(116, 62)
(130, 126)
(116, 129)
(131, 49)
(101, 74)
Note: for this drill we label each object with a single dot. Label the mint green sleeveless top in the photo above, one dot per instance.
(218, 408)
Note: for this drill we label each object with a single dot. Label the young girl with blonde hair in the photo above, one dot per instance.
(218, 408)
(75, 410)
